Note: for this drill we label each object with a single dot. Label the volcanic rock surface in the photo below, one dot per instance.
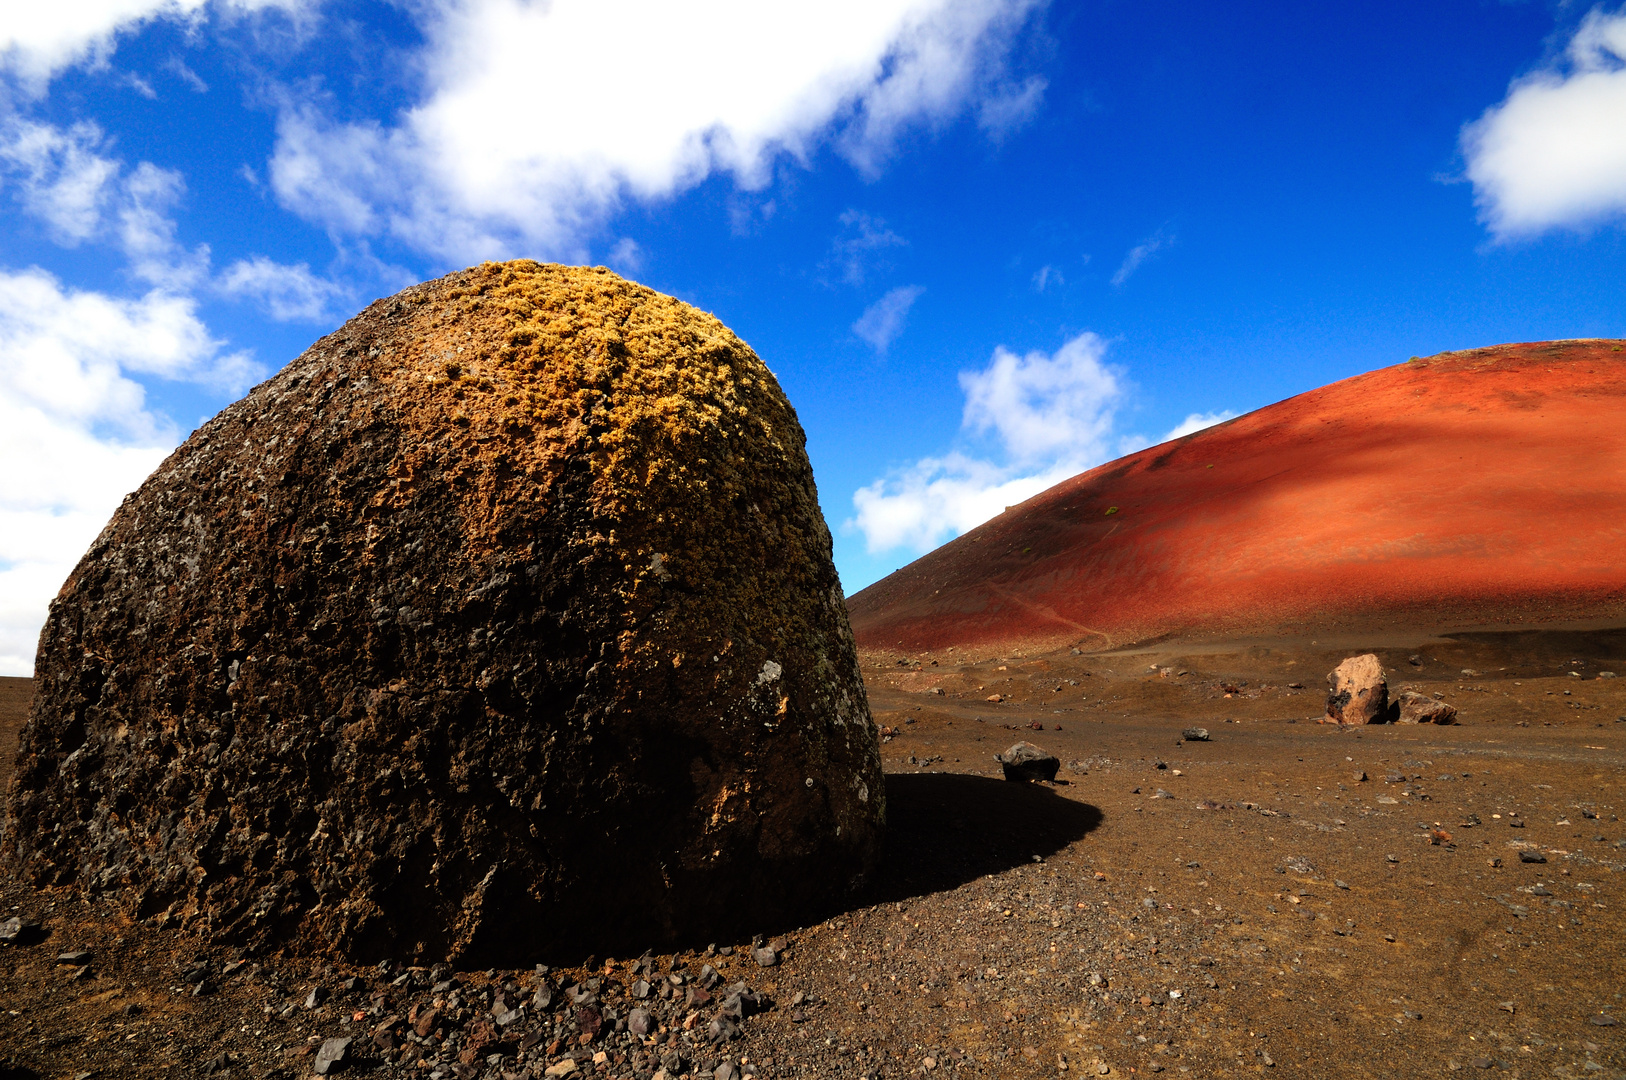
(502, 622)
(1476, 488)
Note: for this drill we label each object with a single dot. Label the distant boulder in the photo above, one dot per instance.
(1418, 708)
(500, 625)
(1024, 761)
(1358, 692)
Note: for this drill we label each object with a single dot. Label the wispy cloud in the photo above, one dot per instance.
(626, 256)
(286, 293)
(859, 249)
(1140, 253)
(1552, 154)
(883, 321)
(1047, 276)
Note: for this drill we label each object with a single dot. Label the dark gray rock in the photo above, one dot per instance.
(765, 957)
(1024, 761)
(642, 1022)
(332, 1056)
(1195, 734)
(1532, 857)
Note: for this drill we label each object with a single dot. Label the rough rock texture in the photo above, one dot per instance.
(502, 622)
(1418, 708)
(1024, 761)
(1359, 692)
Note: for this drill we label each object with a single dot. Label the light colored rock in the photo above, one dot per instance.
(1358, 692)
(1418, 708)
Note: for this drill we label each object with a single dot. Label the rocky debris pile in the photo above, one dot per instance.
(1418, 708)
(546, 1023)
(518, 568)
(1359, 692)
(1024, 761)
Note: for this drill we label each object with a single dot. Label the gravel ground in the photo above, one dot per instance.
(1245, 904)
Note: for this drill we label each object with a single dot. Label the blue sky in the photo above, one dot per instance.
(984, 244)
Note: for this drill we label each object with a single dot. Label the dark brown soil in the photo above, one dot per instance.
(1312, 923)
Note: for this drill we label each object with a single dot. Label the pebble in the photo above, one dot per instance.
(765, 956)
(1195, 734)
(1603, 1020)
(76, 957)
(1532, 857)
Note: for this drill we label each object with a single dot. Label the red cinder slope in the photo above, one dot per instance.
(1470, 488)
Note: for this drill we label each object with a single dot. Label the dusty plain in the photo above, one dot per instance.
(1245, 905)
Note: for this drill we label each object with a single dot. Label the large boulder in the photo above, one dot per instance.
(1358, 692)
(501, 624)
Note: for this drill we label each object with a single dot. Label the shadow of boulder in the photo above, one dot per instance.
(945, 829)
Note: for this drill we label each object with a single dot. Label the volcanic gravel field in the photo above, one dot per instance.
(1283, 898)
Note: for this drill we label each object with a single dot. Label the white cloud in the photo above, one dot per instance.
(883, 321)
(1140, 253)
(75, 430)
(650, 98)
(1196, 422)
(1047, 276)
(38, 40)
(935, 499)
(1045, 406)
(286, 293)
(63, 179)
(1553, 153)
(1053, 416)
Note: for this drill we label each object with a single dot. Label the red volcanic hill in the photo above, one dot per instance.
(1466, 489)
